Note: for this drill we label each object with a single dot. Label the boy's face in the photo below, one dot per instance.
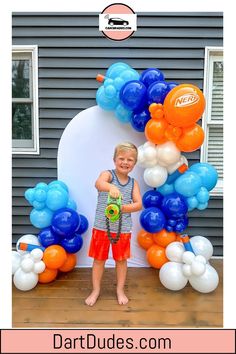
(125, 161)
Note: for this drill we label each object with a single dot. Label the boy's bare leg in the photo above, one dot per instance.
(121, 271)
(97, 273)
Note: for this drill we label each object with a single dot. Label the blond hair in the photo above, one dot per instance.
(125, 146)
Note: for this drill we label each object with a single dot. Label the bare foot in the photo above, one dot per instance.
(92, 298)
(122, 298)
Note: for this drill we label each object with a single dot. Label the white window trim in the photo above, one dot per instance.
(207, 89)
(33, 49)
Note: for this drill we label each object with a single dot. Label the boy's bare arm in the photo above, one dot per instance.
(137, 201)
(103, 184)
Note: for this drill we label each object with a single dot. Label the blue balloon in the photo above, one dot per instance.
(40, 195)
(166, 189)
(133, 95)
(170, 86)
(118, 83)
(188, 184)
(65, 221)
(41, 218)
(181, 224)
(174, 206)
(152, 220)
(108, 104)
(57, 198)
(123, 114)
(203, 195)
(72, 245)
(71, 204)
(157, 92)
(83, 227)
(140, 119)
(29, 195)
(47, 237)
(110, 91)
(202, 206)
(192, 203)
(58, 184)
(207, 173)
(151, 75)
(152, 198)
(42, 185)
(129, 75)
(38, 205)
(116, 69)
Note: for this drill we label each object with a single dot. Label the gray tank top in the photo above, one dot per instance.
(126, 191)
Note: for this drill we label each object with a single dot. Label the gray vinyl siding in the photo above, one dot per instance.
(71, 53)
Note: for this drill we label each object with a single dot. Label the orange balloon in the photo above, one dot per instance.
(145, 239)
(163, 237)
(47, 275)
(156, 256)
(191, 139)
(155, 131)
(54, 256)
(70, 263)
(184, 105)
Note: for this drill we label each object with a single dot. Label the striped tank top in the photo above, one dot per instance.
(126, 191)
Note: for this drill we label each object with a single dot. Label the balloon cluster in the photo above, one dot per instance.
(58, 240)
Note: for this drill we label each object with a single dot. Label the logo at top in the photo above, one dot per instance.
(118, 22)
(187, 99)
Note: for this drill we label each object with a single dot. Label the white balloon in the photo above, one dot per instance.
(149, 163)
(187, 272)
(188, 257)
(198, 268)
(140, 158)
(148, 144)
(150, 153)
(15, 261)
(168, 153)
(172, 168)
(207, 282)
(155, 176)
(27, 265)
(202, 246)
(174, 251)
(25, 281)
(201, 259)
(171, 276)
(39, 267)
(36, 254)
(29, 238)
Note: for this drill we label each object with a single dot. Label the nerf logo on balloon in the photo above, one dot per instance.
(186, 100)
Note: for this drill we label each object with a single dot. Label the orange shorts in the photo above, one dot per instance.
(100, 244)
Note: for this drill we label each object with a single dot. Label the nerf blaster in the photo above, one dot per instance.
(186, 242)
(113, 209)
(176, 174)
(28, 247)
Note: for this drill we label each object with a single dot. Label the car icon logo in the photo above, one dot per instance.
(117, 21)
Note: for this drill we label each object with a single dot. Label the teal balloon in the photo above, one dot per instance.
(41, 218)
(202, 206)
(57, 198)
(207, 173)
(166, 189)
(192, 203)
(58, 184)
(71, 204)
(29, 195)
(40, 195)
(42, 185)
(38, 205)
(108, 82)
(123, 114)
(108, 104)
(203, 195)
(116, 69)
(110, 91)
(118, 83)
(188, 184)
(129, 75)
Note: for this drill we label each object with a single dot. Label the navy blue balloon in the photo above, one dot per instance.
(140, 119)
(65, 221)
(152, 220)
(151, 75)
(72, 245)
(181, 224)
(133, 95)
(174, 206)
(171, 85)
(83, 226)
(157, 92)
(152, 198)
(47, 237)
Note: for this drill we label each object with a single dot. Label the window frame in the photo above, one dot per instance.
(32, 51)
(212, 54)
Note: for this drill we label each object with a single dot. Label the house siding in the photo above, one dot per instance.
(71, 52)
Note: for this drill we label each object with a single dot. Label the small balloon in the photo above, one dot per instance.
(156, 256)
(172, 277)
(152, 220)
(145, 239)
(25, 281)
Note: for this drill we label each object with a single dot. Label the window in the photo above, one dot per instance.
(25, 128)
(212, 149)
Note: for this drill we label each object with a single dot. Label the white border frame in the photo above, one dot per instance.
(207, 88)
(33, 49)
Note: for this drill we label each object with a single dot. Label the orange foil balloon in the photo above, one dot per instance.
(156, 256)
(155, 131)
(191, 139)
(70, 263)
(145, 239)
(184, 105)
(47, 275)
(163, 237)
(54, 256)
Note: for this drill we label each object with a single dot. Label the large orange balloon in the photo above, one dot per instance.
(184, 105)
(47, 275)
(155, 131)
(70, 263)
(145, 239)
(191, 138)
(156, 256)
(54, 256)
(163, 237)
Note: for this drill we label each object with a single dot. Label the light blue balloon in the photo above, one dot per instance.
(116, 69)
(108, 104)
(71, 204)
(192, 203)
(57, 198)
(40, 195)
(42, 185)
(108, 82)
(123, 114)
(38, 205)
(207, 173)
(166, 189)
(118, 83)
(188, 184)
(58, 183)
(29, 195)
(110, 91)
(202, 206)
(203, 195)
(129, 75)
(41, 218)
